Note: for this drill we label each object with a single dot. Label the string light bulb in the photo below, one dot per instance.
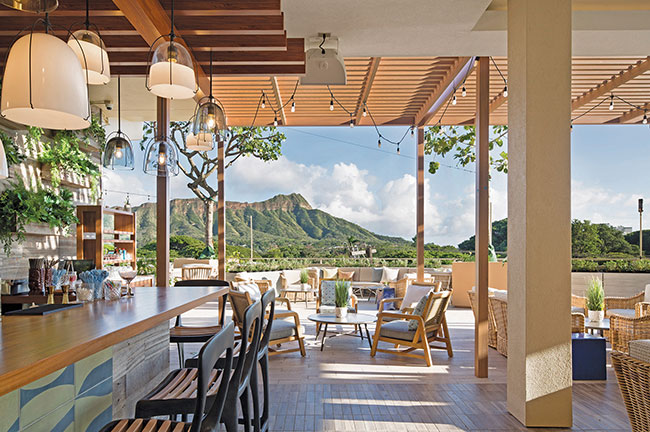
(412, 130)
(275, 121)
(293, 106)
(453, 100)
(379, 143)
(464, 91)
(611, 103)
(397, 149)
(505, 91)
(331, 104)
(351, 122)
(263, 101)
(645, 118)
(365, 113)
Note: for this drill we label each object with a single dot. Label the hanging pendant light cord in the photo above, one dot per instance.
(171, 32)
(119, 105)
(211, 74)
(87, 15)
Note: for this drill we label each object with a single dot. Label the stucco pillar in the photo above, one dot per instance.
(539, 212)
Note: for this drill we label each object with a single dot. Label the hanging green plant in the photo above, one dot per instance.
(14, 157)
(20, 206)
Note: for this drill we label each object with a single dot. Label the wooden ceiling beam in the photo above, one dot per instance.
(609, 85)
(633, 115)
(278, 99)
(462, 65)
(373, 66)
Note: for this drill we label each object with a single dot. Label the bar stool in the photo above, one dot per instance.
(174, 396)
(180, 334)
(208, 381)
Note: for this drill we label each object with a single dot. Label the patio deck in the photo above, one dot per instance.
(343, 389)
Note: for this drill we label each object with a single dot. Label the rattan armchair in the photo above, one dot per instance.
(622, 302)
(577, 323)
(492, 329)
(500, 312)
(623, 330)
(634, 380)
(393, 328)
(578, 302)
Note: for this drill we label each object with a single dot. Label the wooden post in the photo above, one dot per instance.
(482, 216)
(420, 205)
(162, 200)
(221, 210)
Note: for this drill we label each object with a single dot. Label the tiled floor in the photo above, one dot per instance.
(343, 389)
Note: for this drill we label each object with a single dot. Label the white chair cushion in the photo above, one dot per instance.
(640, 349)
(252, 289)
(330, 273)
(646, 297)
(414, 293)
(415, 275)
(576, 309)
(281, 329)
(389, 275)
(500, 295)
(628, 313)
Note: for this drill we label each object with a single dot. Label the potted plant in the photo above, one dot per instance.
(304, 280)
(341, 298)
(595, 300)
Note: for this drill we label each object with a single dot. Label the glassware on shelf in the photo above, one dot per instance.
(128, 274)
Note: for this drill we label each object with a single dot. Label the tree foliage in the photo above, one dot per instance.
(460, 142)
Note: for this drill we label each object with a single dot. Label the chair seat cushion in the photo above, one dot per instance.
(397, 330)
(640, 349)
(577, 309)
(283, 329)
(628, 313)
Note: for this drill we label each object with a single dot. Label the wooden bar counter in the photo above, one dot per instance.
(74, 369)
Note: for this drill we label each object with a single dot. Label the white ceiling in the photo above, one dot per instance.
(414, 28)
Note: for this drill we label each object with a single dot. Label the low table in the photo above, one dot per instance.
(589, 359)
(349, 319)
(597, 326)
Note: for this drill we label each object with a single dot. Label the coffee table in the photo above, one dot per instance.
(597, 326)
(349, 319)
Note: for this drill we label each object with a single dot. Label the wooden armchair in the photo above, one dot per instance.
(614, 304)
(624, 329)
(197, 271)
(284, 328)
(263, 284)
(492, 332)
(500, 312)
(402, 284)
(393, 327)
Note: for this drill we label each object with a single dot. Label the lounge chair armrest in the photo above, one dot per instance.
(296, 320)
(641, 309)
(284, 300)
(623, 302)
(388, 300)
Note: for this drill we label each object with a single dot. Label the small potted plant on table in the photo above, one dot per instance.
(341, 298)
(595, 300)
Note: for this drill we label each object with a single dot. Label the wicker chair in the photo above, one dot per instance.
(634, 380)
(577, 323)
(641, 309)
(197, 271)
(623, 330)
(500, 312)
(432, 327)
(492, 332)
(628, 303)
(577, 303)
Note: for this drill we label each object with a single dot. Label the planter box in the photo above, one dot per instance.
(463, 277)
(69, 179)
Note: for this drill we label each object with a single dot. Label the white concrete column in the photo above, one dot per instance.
(539, 212)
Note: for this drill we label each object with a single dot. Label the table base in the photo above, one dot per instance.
(352, 333)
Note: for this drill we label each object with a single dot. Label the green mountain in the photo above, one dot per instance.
(279, 221)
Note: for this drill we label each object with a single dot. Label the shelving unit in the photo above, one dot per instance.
(93, 232)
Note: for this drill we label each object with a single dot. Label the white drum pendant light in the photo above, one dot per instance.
(91, 52)
(171, 70)
(52, 94)
(33, 6)
(201, 142)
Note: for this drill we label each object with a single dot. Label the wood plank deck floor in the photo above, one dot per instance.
(343, 389)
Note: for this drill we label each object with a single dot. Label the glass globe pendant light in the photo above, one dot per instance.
(119, 151)
(209, 120)
(91, 52)
(44, 84)
(161, 155)
(33, 6)
(171, 70)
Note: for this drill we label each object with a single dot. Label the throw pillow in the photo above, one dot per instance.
(328, 292)
(389, 275)
(252, 289)
(377, 273)
(414, 294)
(330, 273)
(419, 310)
(345, 275)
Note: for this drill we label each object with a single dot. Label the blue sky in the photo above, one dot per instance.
(342, 171)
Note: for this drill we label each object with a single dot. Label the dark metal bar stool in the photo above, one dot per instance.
(207, 410)
(180, 334)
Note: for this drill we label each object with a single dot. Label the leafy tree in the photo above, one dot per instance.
(499, 237)
(614, 241)
(260, 142)
(633, 238)
(460, 142)
(584, 239)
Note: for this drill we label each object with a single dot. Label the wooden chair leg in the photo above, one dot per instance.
(427, 350)
(301, 342)
(447, 338)
(375, 341)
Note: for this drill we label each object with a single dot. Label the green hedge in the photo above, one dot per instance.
(288, 263)
(611, 266)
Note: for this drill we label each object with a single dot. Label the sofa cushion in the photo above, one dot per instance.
(646, 296)
(330, 273)
(345, 275)
(629, 313)
(398, 329)
(292, 276)
(418, 310)
(365, 274)
(389, 274)
(377, 273)
(414, 293)
(281, 329)
(640, 349)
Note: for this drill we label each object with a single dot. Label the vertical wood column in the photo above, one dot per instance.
(539, 212)
(221, 210)
(482, 215)
(162, 200)
(420, 205)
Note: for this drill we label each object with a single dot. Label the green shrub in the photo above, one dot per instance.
(341, 294)
(595, 295)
